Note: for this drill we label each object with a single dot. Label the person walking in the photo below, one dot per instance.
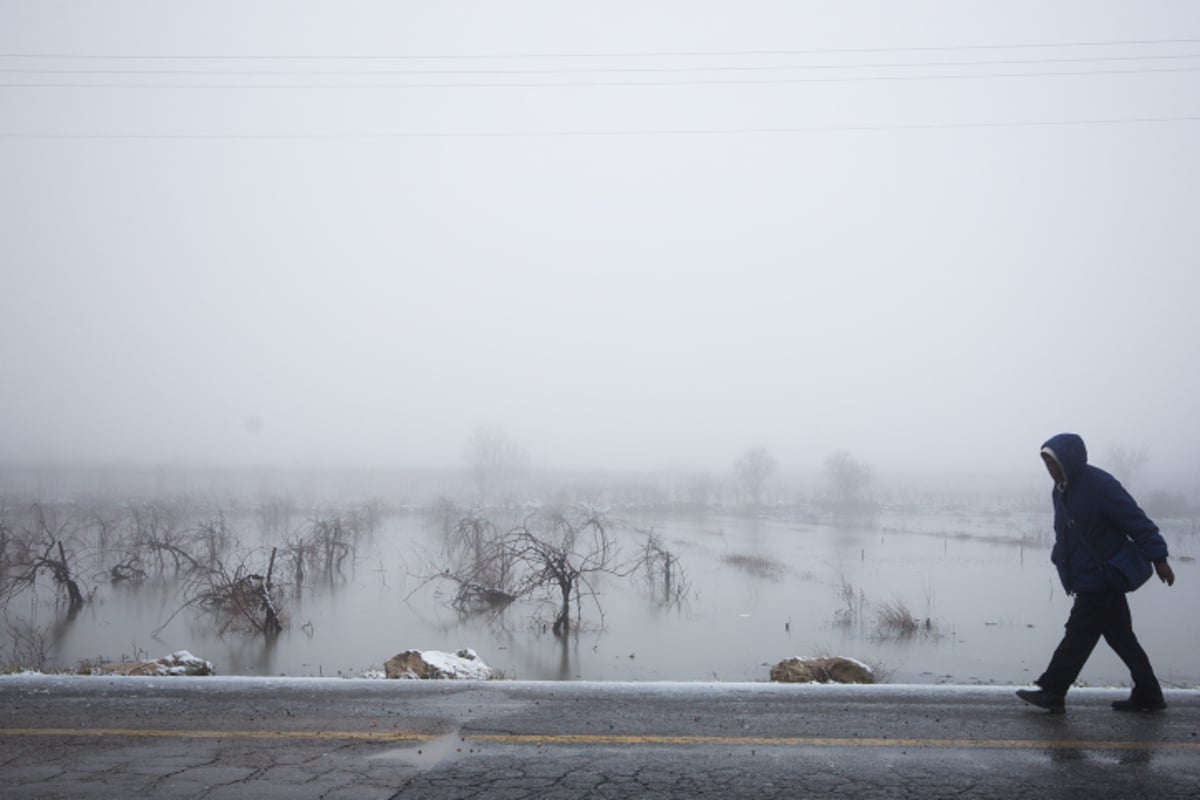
(1093, 517)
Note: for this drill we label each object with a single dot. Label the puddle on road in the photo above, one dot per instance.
(424, 755)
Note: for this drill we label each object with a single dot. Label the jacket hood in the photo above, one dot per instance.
(1071, 453)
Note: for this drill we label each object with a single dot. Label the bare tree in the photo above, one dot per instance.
(662, 570)
(8, 542)
(28, 646)
(238, 597)
(552, 555)
(105, 519)
(53, 561)
(50, 526)
(324, 544)
(159, 533)
(476, 559)
(1127, 462)
(701, 490)
(847, 479)
(752, 470)
(562, 552)
(495, 460)
(128, 570)
(215, 536)
(275, 514)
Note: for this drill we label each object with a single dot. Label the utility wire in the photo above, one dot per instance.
(653, 132)
(602, 70)
(591, 84)
(628, 54)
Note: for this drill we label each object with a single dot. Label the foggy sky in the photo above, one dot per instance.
(605, 271)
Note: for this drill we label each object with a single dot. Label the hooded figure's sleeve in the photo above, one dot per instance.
(1126, 516)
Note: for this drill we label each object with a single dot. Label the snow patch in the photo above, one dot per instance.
(463, 665)
(181, 662)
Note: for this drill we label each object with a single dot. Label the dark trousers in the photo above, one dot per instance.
(1096, 614)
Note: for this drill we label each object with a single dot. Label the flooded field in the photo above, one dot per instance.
(924, 596)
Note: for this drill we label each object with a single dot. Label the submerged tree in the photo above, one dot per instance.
(323, 545)
(237, 597)
(552, 555)
(475, 557)
(43, 532)
(702, 490)
(847, 479)
(494, 460)
(1127, 463)
(662, 571)
(562, 552)
(159, 538)
(752, 470)
(54, 562)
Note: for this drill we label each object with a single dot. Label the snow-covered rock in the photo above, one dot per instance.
(436, 665)
(835, 669)
(180, 662)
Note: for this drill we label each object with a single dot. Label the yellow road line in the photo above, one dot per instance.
(819, 741)
(149, 733)
(613, 739)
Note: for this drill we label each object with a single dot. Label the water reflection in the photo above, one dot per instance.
(759, 589)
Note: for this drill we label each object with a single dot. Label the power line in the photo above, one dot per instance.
(601, 70)
(627, 54)
(591, 84)
(652, 132)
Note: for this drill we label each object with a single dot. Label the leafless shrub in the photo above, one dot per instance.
(215, 537)
(158, 538)
(239, 598)
(8, 542)
(552, 555)
(485, 580)
(662, 570)
(60, 568)
(442, 516)
(475, 558)
(324, 544)
(52, 522)
(471, 543)
(298, 553)
(127, 571)
(561, 552)
(895, 620)
(275, 515)
(106, 521)
(28, 647)
(38, 549)
(853, 604)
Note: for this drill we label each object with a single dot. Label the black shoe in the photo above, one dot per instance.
(1042, 699)
(1139, 705)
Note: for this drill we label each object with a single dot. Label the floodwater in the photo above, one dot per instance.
(980, 587)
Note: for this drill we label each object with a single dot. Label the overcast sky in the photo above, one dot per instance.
(629, 234)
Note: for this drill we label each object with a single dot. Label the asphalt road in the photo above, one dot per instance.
(93, 737)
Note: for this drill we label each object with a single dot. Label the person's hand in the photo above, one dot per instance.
(1165, 573)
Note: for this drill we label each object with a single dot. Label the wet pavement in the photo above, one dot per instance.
(331, 738)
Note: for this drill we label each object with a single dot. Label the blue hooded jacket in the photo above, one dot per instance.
(1095, 506)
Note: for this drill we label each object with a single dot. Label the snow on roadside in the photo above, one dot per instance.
(181, 662)
(465, 665)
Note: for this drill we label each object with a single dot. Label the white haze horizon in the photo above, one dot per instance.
(629, 237)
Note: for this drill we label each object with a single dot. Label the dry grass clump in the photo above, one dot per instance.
(759, 566)
(853, 602)
(896, 620)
